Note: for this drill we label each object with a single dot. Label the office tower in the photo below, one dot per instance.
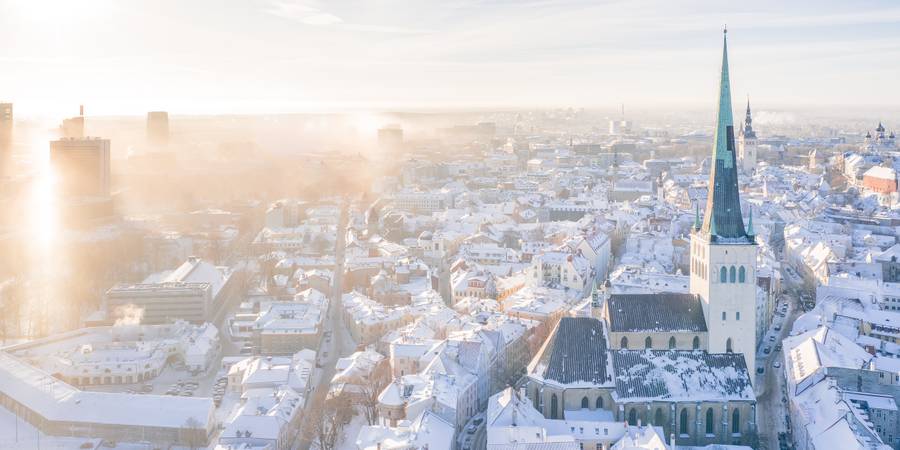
(158, 128)
(81, 166)
(6, 131)
(73, 127)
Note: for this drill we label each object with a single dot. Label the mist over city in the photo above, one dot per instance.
(460, 225)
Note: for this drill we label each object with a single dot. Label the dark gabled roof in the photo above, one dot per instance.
(575, 352)
(667, 311)
(681, 374)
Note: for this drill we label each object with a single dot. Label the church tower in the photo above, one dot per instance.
(747, 147)
(723, 251)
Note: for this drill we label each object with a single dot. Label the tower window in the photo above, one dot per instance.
(723, 275)
(683, 422)
(728, 346)
(624, 343)
(724, 315)
(584, 403)
(710, 426)
(672, 343)
(737, 315)
(732, 274)
(696, 343)
(648, 343)
(742, 274)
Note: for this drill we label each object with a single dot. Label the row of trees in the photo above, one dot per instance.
(328, 419)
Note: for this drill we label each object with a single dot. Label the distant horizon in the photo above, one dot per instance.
(295, 56)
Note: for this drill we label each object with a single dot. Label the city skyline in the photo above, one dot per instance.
(278, 56)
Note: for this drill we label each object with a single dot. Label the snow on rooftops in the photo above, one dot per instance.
(677, 375)
(57, 401)
(196, 270)
(805, 354)
(428, 430)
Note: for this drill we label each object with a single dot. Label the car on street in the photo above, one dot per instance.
(760, 370)
(776, 364)
(471, 429)
(778, 348)
(767, 350)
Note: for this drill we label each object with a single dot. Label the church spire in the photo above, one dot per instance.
(723, 218)
(748, 123)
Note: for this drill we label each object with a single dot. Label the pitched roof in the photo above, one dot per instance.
(665, 311)
(575, 352)
(681, 374)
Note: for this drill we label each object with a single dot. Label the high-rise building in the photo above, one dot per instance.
(6, 117)
(81, 166)
(723, 251)
(73, 127)
(747, 144)
(158, 129)
(6, 131)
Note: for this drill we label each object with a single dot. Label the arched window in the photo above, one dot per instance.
(710, 426)
(599, 403)
(553, 406)
(624, 343)
(696, 343)
(728, 345)
(683, 422)
(632, 417)
(724, 315)
(584, 403)
(732, 274)
(671, 342)
(736, 422)
(723, 275)
(648, 343)
(537, 399)
(742, 274)
(658, 418)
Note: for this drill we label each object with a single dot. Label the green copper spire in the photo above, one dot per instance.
(723, 218)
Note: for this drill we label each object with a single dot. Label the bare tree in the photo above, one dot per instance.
(371, 387)
(192, 432)
(327, 421)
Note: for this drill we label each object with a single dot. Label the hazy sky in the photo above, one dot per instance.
(248, 56)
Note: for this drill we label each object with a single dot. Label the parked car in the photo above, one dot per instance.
(767, 350)
(760, 370)
(776, 364)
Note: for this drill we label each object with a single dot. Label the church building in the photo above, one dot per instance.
(680, 361)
